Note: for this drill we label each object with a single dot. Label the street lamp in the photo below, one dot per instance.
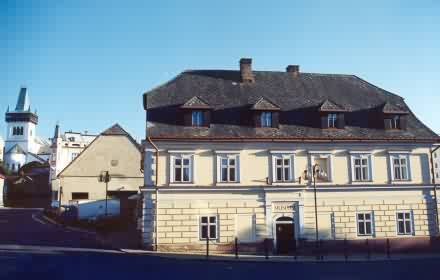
(105, 177)
(315, 171)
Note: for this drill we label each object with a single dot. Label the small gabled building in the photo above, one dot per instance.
(238, 154)
(114, 152)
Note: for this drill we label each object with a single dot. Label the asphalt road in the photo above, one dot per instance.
(19, 228)
(27, 227)
(16, 264)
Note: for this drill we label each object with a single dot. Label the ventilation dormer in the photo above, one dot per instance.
(332, 115)
(196, 112)
(265, 113)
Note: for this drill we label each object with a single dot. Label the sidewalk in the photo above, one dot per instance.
(274, 258)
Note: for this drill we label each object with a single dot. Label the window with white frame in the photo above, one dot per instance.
(228, 171)
(331, 120)
(364, 223)
(361, 168)
(208, 227)
(282, 168)
(181, 168)
(266, 119)
(400, 167)
(197, 118)
(404, 223)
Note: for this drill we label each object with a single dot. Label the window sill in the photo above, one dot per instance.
(362, 182)
(366, 236)
(292, 183)
(225, 184)
(189, 184)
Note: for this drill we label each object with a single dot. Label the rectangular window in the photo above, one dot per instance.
(361, 168)
(182, 169)
(197, 118)
(331, 120)
(283, 169)
(266, 119)
(228, 168)
(74, 155)
(364, 224)
(400, 167)
(208, 227)
(395, 122)
(80, 195)
(404, 223)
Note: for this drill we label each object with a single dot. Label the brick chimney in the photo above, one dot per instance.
(246, 70)
(293, 69)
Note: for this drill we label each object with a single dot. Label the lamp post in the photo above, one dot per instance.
(105, 177)
(315, 171)
(431, 151)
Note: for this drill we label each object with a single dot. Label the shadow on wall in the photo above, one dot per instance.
(424, 162)
(430, 212)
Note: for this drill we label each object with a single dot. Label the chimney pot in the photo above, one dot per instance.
(246, 70)
(294, 69)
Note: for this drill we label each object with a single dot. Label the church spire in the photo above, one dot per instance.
(23, 102)
(57, 131)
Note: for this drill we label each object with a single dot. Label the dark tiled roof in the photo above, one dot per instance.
(264, 104)
(299, 99)
(23, 101)
(116, 129)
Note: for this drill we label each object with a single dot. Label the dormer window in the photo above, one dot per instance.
(266, 119)
(332, 120)
(197, 118)
(265, 113)
(332, 115)
(394, 116)
(196, 112)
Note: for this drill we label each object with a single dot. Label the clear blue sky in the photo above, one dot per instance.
(87, 63)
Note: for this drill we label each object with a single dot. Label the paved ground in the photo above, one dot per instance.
(42, 260)
(41, 264)
(27, 227)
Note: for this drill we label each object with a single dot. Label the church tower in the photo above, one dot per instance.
(20, 132)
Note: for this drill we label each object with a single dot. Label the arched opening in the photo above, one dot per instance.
(285, 235)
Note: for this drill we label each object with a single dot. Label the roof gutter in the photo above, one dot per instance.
(299, 139)
(156, 155)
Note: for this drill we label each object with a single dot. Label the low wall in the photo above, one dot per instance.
(378, 246)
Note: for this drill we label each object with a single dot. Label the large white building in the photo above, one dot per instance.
(285, 159)
(22, 144)
(64, 149)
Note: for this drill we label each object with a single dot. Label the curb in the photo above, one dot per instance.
(52, 221)
(272, 259)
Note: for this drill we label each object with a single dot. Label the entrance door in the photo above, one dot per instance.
(285, 235)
